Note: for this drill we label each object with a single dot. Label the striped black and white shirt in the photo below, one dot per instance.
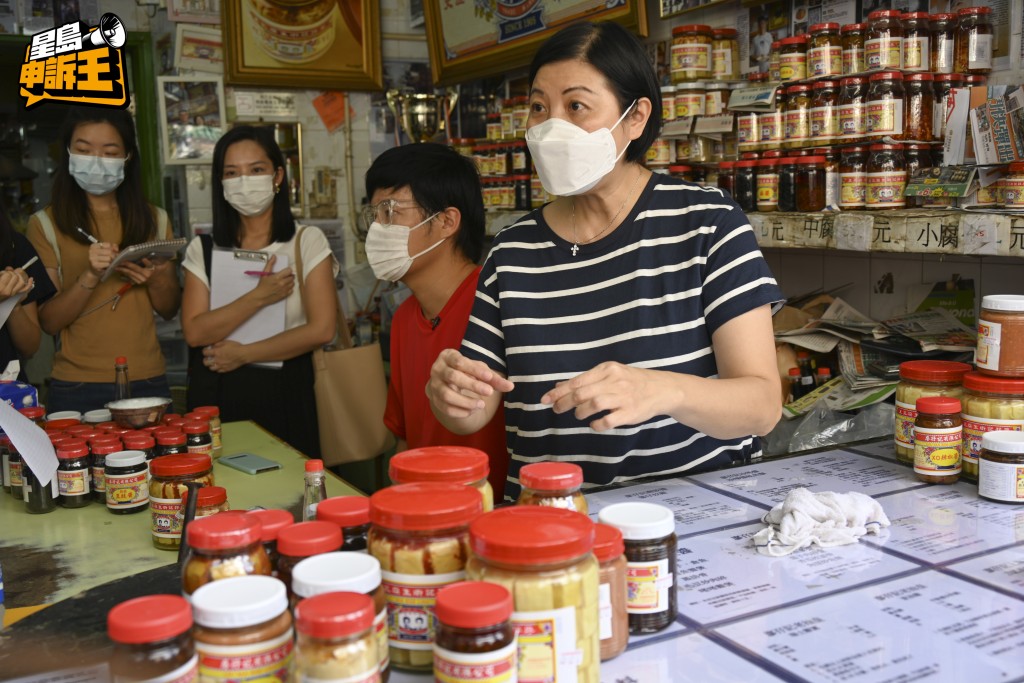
(683, 263)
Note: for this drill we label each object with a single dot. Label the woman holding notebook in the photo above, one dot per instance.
(264, 375)
(98, 209)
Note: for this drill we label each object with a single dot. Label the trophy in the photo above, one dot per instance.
(421, 115)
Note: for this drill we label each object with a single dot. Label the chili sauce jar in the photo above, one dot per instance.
(1001, 335)
(335, 639)
(475, 634)
(271, 522)
(221, 547)
(884, 45)
(942, 42)
(938, 440)
(973, 41)
(918, 379)
(552, 484)
(613, 627)
(73, 474)
(167, 485)
(886, 177)
(351, 514)
(853, 37)
(825, 54)
(152, 640)
(1001, 467)
(451, 464)
(212, 414)
(126, 479)
(298, 541)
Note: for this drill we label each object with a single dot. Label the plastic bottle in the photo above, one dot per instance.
(795, 388)
(122, 388)
(823, 377)
(315, 491)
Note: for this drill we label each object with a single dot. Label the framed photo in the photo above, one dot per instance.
(199, 48)
(191, 117)
(194, 11)
(467, 42)
(330, 46)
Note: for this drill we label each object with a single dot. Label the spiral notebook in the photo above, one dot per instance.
(157, 250)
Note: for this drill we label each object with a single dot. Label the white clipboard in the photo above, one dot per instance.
(228, 282)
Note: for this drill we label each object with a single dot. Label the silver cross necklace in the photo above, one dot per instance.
(576, 242)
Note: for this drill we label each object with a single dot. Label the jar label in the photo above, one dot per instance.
(1001, 481)
(798, 125)
(713, 103)
(215, 435)
(507, 123)
(380, 630)
(853, 120)
(824, 122)
(825, 61)
(773, 127)
(200, 449)
(916, 53)
(658, 153)
(853, 60)
(939, 115)
(74, 483)
(293, 44)
(99, 482)
(884, 53)
(165, 517)
(691, 57)
(269, 661)
(721, 61)
(16, 478)
(690, 104)
(126, 491)
(486, 667)
(186, 673)
(372, 676)
(745, 127)
(938, 451)
(944, 55)
(975, 427)
(768, 188)
(979, 51)
(990, 335)
(647, 586)
(906, 413)
(885, 117)
(547, 646)
(604, 611)
(494, 131)
(885, 189)
(851, 190)
(1013, 192)
(793, 66)
(519, 161)
(411, 599)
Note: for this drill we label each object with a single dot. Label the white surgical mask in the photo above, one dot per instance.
(249, 194)
(387, 249)
(570, 160)
(96, 175)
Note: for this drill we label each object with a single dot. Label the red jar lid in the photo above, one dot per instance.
(1016, 167)
(334, 615)
(849, 28)
(691, 28)
(170, 417)
(33, 412)
(975, 381)
(915, 15)
(852, 80)
(776, 44)
(968, 11)
(938, 405)
(551, 476)
(208, 496)
(149, 619)
(211, 411)
(531, 534)
(473, 604)
(139, 443)
(798, 88)
(108, 446)
(454, 464)
(809, 161)
(72, 448)
(726, 165)
(787, 161)
(925, 76)
(724, 32)
(948, 77)
(75, 430)
(196, 416)
(821, 85)
(175, 438)
(793, 40)
(918, 146)
(60, 425)
(975, 79)
(608, 543)
(176, 423)
(309, 538)
(196, 428)
(943, 16)
(679, 168)
(772, 154)
(887, 76)
(106, 426)
(222, 532)
(767, 163)
(828, 26)
(856, 149)
(884, 14)
(883, 146)
(746, 163)
(179, 465)
(57, 438)
(933, 370)
(425, 506)
(272, 521)
(345, 511)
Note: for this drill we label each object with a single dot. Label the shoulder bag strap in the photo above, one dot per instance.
(51, 236)
(342, 334)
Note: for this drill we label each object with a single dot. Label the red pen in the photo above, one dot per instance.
(258, 273)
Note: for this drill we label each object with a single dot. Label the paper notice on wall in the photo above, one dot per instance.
(32, 443)
(838, 11)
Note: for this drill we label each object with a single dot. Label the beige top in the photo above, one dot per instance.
(89, 345)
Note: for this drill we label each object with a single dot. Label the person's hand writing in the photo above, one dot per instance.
(274, 287)
(224, 356)
(627, 395)
(101, 255)
(14, 281)
(140, 273)
(457, 384)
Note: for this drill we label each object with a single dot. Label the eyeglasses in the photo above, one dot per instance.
(383, 211)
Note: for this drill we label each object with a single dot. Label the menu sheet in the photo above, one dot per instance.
(879, 449)
(693, 657)
(1003, 569)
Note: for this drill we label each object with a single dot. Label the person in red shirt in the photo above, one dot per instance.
(425, 226)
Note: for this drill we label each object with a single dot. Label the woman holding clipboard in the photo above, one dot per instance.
(250, 212)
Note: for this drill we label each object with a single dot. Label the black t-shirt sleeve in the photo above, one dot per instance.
(23, 251)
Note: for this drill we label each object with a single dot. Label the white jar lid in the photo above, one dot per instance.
(97, 416)
(668, 88)
(125, 459)
(1003, 302)
(339, 571)
(639, 521)
(698, 85)
(64, 415)
(1003, 442)
(239, 601)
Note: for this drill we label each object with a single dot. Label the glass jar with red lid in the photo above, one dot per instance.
(210, 500)
(975, 80)
(825, 51)
(943, 84)
(351, 514)
(609, 550)
(99, 449)
(543, 557)
(773, 61)
(885, 104)
(335, 640)
(197, 437)
(853, 37)
(298, 541)
(798, 116)
(824, 119)
(61, 424)
(886, 177)
(73, 481)
(768, 185)
(212, 414)
(35, 413)
(453, 464)
(170, 442)
(853, 116)
(681, 171)
(793, 58)
(167, 486)
(420, 535)
(745, 182)
(220, 547)
(810, 183)
(852, 177)
(938, 440)
(973, 41)
(474, 624)
(152, 640)
(726, 177)
(883, 47)
(918, 114)
(691, 58)
(916, 41)
(922, 378)
(141, 442)
(942, 42)
(552, 484)
(271, 522)
(990, 404)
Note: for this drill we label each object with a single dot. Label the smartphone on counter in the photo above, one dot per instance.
(249, 463)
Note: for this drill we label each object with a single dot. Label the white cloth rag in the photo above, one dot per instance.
(826, 519)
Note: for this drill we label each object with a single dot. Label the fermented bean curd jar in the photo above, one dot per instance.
(853, 116)
(668, 103)
(886, 177)
(613, 628)
(659, 153)
(990, 404)
(725, 53)
(210, 500)
(197, 438)
(825, 51)
(689, 99)
(298, 541)
(100, 449)
(716, 97)
(972, 43)
(768, 185)
(885, 102)
(942, 42)
(475, 637)
(922, 378)
(152, 641)
(831, 166)
(335, 639)
(798, 116)
(938, 440)
(243, 630)
(649, 532)
(853, 37)
(793, 58)
(352, 572)
(351, 514)
(221, 547)
(450, 464)
(773, 123)
(271, 522)
(918, 110)
(543, 557)
(126, 479)
(144, 442)
(774, 58)
(552, 484)
(167, 485)
(691, 53)
(883, 47)
(73, 474)
(824, 119)
(748, 132)
(170, 442)
(916, 41)
(419, 533)
(1001, 473)
(1001, 335)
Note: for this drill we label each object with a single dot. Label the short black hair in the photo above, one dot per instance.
(621, 58)
(439, 178)
(225, 217)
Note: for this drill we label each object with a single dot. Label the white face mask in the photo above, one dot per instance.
(387, 249)
(570, 160)
(96, 175)
(250, 195)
